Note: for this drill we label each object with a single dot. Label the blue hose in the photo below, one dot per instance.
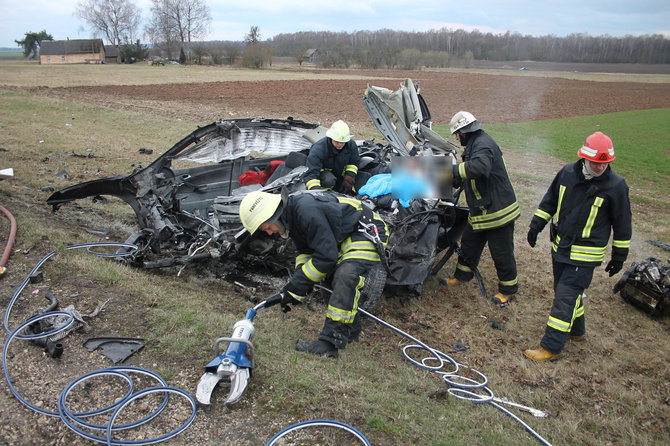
(71, 419)
(329, 423)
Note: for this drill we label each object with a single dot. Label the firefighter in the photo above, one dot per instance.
(333, 161)
(328, 230)
(492, 204)
(584, 204)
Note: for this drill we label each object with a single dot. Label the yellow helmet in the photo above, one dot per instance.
(339, 131)
(258, 207)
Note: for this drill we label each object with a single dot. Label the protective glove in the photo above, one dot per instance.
(532, 237)
(614, 266)
(347, 184)
(287, 297)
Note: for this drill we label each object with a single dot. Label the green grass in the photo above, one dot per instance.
(641, 143)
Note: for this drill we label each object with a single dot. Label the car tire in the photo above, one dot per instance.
(373, 288)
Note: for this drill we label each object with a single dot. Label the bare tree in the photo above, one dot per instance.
(117, 20)
(160, 30)
(178, 21)
(233, 52)
(300, 55)
(195, 18)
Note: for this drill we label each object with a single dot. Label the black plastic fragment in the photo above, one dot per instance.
(116, 349)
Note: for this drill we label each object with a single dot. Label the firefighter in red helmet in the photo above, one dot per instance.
(585, 204)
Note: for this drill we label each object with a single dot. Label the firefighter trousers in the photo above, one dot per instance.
(567, 312)
(342, 318)
(501, 246)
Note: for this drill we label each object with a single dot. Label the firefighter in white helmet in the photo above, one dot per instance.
(326, 229)
(585, 203)
(333, 161)
(492, 204)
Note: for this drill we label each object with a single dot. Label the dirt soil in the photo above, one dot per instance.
(493, 99)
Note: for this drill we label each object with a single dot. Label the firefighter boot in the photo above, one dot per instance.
(501, 299)
(540, 354)
(318, 347)
(453, 281)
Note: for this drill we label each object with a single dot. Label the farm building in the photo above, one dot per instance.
(72, 51)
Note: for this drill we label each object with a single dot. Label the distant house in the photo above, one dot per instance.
(312, 55)
(72, 51)
(111, 54)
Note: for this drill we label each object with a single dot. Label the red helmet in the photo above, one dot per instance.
(597, 148)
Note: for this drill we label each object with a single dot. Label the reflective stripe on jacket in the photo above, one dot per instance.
(586, 212)
(488, 190)
(324, 156)
(325, 229)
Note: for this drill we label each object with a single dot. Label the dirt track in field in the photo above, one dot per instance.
(492, 98)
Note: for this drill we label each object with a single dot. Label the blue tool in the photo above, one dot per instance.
(235, 364)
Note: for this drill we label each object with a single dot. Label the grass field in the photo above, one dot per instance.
(613, 389)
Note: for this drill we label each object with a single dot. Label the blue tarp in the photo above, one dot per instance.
(402, 186)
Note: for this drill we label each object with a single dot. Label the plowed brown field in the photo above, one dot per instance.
(492, 98)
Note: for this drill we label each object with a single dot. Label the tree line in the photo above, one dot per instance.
(175, 28)
(384, 47)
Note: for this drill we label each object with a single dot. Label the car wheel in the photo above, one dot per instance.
(373, 288)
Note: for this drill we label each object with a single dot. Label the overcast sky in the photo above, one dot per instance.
(233, 18)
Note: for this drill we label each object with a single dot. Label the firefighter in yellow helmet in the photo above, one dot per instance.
(326, 229)
(585, 203)
(333, 161)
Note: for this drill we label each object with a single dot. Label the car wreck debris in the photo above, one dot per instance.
(187, 200)
(646, 285)
(116, 349)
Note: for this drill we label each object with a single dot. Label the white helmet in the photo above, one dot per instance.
(339, 132)
(463, 119)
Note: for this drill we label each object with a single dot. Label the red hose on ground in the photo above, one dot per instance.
(10, 241)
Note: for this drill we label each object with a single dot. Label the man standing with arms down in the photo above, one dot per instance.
(587, 201)
(493, 207)
(333, 161)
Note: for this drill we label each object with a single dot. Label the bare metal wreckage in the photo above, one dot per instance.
(187, 200)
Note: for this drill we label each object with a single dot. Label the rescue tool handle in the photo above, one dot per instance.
(273, 300)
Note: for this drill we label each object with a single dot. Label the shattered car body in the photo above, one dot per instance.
(187, 200)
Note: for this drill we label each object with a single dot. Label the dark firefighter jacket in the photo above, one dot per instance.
(325, 229)
(488, 190)
(324, 156)
(585, 212)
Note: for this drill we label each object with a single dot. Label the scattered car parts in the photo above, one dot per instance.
(116, 349)
(646, 285)
(187, 200)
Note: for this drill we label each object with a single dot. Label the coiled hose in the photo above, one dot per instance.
(74, 420)
(461, 387)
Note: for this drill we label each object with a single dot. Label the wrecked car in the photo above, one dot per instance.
(187, 200)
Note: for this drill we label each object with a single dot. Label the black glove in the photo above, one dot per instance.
(614, 266)
(532, 237)
(287, 298)
(347, 184)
